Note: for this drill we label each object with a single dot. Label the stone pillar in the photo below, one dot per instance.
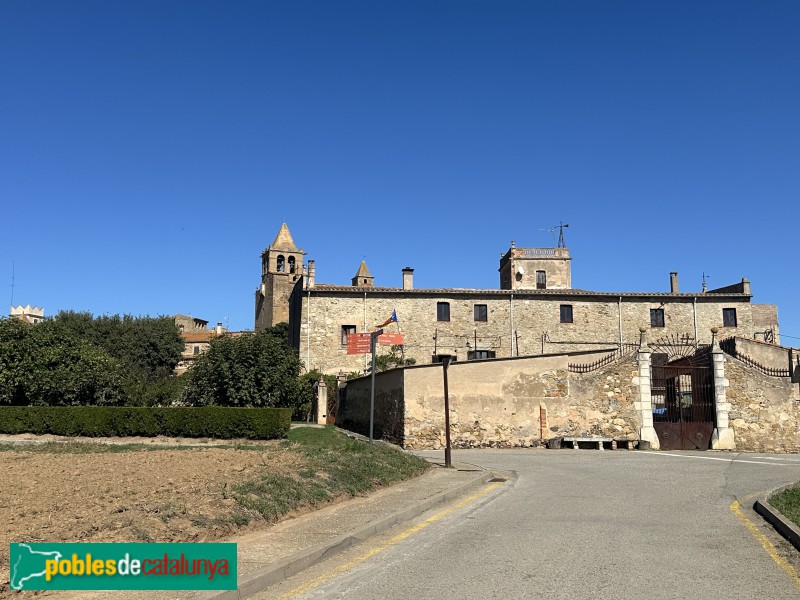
(722, 438)
(322, 401)
(644, 405)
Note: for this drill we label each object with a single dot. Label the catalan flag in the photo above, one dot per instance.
(392, 319)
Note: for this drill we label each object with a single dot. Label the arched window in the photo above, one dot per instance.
(281, 263)
(291, 264)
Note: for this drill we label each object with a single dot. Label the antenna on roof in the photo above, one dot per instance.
(13, 282)
(561, 225)
(705, 287)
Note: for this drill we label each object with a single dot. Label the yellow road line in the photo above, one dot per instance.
(770, 548)
(380, 548)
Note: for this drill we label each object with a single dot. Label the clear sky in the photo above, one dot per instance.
(150, 150)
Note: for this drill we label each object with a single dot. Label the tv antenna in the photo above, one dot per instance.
(13, 283)
(561, 226)
(705, 276)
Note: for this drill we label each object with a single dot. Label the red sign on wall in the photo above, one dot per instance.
(358, 343)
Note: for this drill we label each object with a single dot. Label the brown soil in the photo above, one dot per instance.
(139, 495)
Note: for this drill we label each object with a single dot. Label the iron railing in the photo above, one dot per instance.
(616, 355)
(728, 346)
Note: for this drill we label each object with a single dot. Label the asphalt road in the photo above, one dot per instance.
(579, 525)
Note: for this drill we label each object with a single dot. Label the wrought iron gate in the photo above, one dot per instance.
(683, 401)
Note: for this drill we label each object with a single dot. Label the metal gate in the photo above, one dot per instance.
(683, 401)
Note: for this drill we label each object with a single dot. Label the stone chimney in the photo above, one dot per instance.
(312, 272)
(745, 286)
(408, 278)
(673, 282)
(219, 328)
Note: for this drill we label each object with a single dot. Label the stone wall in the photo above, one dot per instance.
(769, 355)
(765, 411)
(600, 403)
(518, 324)
(354, 406)
(496, 403)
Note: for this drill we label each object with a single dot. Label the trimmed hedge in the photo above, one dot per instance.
(106, 421)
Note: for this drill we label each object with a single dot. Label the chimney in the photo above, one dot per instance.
(312, 272)
(746, 286)
(408, 278)
(673, 282)
(219, 328)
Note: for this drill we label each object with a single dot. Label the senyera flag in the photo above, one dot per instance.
(392, 319)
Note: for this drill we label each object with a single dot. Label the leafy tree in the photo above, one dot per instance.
(151, 346)
(395, 358)
(258, 369)
(42, 365)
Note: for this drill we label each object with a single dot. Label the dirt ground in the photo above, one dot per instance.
(141, 494)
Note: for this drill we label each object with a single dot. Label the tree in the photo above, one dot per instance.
(258, 369)
(42, 365)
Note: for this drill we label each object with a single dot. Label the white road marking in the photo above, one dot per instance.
(752, 462)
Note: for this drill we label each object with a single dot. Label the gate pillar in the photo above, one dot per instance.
(722, 438)
(644, 406)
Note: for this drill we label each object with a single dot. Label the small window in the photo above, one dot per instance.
(729, 317)
(347, 330)
(481, 312)
(442, 311)
(566, 313)
(196, 350)
(291, 264)
(541, 280)
(480, 354)
(439, 358)
(656, 317)
(281, 263)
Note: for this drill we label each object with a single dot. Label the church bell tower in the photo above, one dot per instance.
(281, 271)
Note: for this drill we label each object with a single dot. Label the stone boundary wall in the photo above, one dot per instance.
(765, 411)
(353, 410)
(769, 355)
(518, 402)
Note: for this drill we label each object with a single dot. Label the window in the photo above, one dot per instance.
(656, 317)
(291, 264)
(347, 330)
(480, 354)
(196, 350)
(481, 313)
(566, 313)
(281, 263)
(541, 280)
(729, 317)
(442, 311)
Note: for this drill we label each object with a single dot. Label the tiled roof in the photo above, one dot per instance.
(198, 336)
(322, 287)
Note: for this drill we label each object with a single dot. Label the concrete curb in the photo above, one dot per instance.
(268, 576)
(781, 524)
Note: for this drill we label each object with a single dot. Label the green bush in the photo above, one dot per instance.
(105, 421)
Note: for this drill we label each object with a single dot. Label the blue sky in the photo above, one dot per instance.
(150, 150)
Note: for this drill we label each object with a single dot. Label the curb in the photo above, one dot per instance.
(270, 575)
(781, 524)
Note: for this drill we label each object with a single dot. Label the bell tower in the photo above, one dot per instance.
(535, 269)
(281, 270)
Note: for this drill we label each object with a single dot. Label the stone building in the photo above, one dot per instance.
(535, 311)
(196, 339)
(28, 314)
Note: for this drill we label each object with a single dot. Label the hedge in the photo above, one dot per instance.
(102, 421)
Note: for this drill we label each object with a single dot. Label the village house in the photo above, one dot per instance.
(535, 311)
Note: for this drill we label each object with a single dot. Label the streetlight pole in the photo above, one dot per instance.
(373, 342)
(447, 460)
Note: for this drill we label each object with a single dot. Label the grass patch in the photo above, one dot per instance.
(335, 466)
(788, 503)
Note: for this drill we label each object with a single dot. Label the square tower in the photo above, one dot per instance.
(281, 270)
(535, 269)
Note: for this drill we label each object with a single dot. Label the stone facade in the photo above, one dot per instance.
(527, 316)
(765, 410)
(497, 403)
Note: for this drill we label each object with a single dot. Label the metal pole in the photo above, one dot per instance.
(447, 462)
(373, 341)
